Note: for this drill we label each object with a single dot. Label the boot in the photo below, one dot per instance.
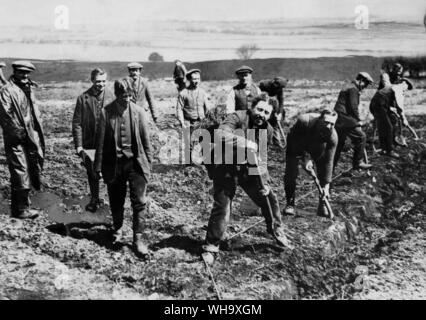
(20, 205)
(289, 210)
(141, 250)
(361, 165)
(322, 210)
(93, 205)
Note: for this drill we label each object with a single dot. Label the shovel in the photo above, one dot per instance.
(321, 191)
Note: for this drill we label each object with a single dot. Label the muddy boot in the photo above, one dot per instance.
(289, 210)
(141, 250)
(322, 210)
(93, 205)
(210, 253)
(20, 205)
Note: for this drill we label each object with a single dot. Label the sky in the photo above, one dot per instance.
(29, 12)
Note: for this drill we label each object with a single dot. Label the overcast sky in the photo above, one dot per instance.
(29, 12)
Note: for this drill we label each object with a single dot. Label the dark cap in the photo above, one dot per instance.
(188, 74)
(134, 65)
(23, 65)
(244, 69)
(282, 82)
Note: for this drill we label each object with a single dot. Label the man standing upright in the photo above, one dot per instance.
(179, 74)
(123, 155)
(348, 121)
(85, 120)
(23, 138)
(275, 88)
(242, 95)
(192, 105)
(141, 92)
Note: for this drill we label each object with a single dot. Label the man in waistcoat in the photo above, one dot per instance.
(242, 95)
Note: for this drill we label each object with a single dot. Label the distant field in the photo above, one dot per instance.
(328, 69)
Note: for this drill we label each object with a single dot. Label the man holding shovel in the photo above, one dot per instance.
(312, 135)
(85, 120)
(242, 132)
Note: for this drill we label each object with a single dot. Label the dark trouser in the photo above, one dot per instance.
(384, 128)
(225, 184)
(127, 171)
(92, 178)
(291, 174)
(357, 137)
(24, 173)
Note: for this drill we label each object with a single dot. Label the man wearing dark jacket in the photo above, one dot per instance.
(141, 92)
(348, 121)
(381, 103)
(23, 138)
(123, 155)
(179, 74)
(85, 120)
(311, 136)
(242, 132)
(275, 88)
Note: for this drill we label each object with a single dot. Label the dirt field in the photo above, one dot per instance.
(376, 250)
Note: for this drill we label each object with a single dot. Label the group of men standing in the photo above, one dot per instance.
(111, 135)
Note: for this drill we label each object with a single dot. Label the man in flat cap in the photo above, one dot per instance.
(141, 92)
(3, 80)
(124, 156)
(349, 123)
(381, 103)
(85, 120)
(275, 89)
(243, 94)
(23, 138)
(311, 139)
(192, 106)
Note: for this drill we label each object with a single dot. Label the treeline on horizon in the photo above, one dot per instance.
(325, 68)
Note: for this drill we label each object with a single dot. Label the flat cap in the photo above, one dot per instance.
(282, 82)
(2, 64)
(244, 69)
(409, 83)
(365, 76)
(23, 65)
(188, 74)
(134, 65)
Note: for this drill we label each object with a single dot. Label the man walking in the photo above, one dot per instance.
(242, 95)
(382, 101)
(348, 122)
(312, 137)
(242, 131)
(275, 88)
(85, 120)
(23, 138)
(123, 155)
(141, 92)
(192, 106)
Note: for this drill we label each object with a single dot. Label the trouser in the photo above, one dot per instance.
(92, 178)
(384, 128)
(128, 172)
(292, 172)
(188, 143)
(225, 183)
(25, 172)
(357, 137)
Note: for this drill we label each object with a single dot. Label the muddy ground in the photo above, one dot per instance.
(374, 249)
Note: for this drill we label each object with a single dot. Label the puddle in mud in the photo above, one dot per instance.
(69, 210)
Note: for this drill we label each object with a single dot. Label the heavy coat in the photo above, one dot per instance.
(84, 119)
(106, 150)
(347, 107)
(24, 148)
